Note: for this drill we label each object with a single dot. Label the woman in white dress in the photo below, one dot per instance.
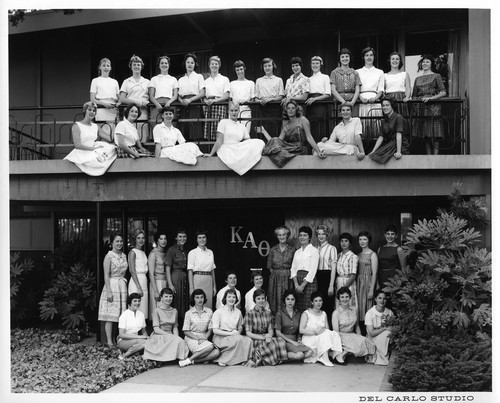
(166, 136)
(234, 146)
(227, 326)
(372, 89)
(91, 155)
(378, 329)
(104, 92)
(316, 334)
(346, 136)
(126, 136)
(397, 83)
(242, 91)
(138, 267)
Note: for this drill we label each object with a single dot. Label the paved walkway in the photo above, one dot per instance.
(357, 376)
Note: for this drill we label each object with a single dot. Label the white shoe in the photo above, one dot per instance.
(184, 363)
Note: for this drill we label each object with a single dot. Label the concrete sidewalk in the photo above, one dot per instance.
(357, 376)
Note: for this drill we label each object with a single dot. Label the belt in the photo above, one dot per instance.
(188, 96)
(203, 273)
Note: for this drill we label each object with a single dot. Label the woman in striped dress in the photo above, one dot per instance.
(113, 299)
(347, 266)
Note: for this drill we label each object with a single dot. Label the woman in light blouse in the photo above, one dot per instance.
(397, 83)
(217, 89)
(347, 266)
(320, 90)
(163, 88)
(132, 328)
(242, 91)
(304, 268)
(200, 267)
(191, 89)
(138, 267)
(126, 136)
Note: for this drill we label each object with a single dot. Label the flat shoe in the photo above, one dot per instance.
(343, 363)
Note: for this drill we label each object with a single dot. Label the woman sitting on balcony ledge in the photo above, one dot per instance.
(126, 136)
(166, 136)
(90, 155)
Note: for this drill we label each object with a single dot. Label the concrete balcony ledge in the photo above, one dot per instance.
(299, 163)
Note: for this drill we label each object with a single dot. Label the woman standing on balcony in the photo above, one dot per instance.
(191, 89)
(428, 87)
(397, 83)
(372, 89)
(297, 87)
(242, 91)
(320, 90)
(135, 91)
(138, 267)
(166, 136)
(269, 91)
(234, 146)
(163, 88)
(113, 299)
(391, 141)
(345, 82)
(294, 139)
(91, 155)
(104, 92)
(217, 89)
(157, 270)
(126, 136)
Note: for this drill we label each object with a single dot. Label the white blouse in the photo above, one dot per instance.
(167, 136)
(305, 259)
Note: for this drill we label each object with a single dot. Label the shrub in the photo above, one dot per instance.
(18, 270)
(70, 296)
(459, 363)
(51, 362)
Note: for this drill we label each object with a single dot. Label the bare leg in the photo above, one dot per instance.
(265, 133)
(108, 329)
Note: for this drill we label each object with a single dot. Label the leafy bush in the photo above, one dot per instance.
(441, 364)
(70, 296)
(18, 270)
(51, 362)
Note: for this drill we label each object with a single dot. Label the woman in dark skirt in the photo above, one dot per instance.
(176, 270)
(391, 141)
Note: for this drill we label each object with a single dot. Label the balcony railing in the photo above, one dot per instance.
(37, 133)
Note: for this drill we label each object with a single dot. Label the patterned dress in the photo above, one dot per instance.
(279, 264)
(258, 321)
(345, 320)
(345, 82)
(165, 347)
(197, 322)
(347, 264)
(111, 311)
(294, 143)
(297, 86)
(363, 283)
(427, 116)
(160, 279)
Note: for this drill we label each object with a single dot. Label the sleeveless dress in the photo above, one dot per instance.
(92, 162)
(363, 283)
(165, 347)
(388, 263)
(351, 342)
(141, 268)
(321, 343)
(111, 311)
(395, 88)
(160, 279)
(294, 143)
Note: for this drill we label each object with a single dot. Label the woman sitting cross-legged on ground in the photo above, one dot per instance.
(317, 335)
(378, 330)
(345, 322)
(196, 330)
(170, 143)
(130, 324)
(164, 343)
(267, 350)
(346, 136)
(287, 328)
(234, 146)
(227, 325)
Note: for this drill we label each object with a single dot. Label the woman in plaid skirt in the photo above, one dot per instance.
(126, 136)
(217, 88)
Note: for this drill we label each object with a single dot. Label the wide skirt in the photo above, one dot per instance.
(111, 311)
(387, 150)
(93, 162)
(271, 353)
(304, 300)
(195, 345)
(382, 354)
(280, 152)
(143, 281)
(165, 347)
(160, 285)
(185, 153)
(204, 281)
(233, 349)
(427, 121)
(356, 344)
(242, 156)
(322, 343)
(279, 282)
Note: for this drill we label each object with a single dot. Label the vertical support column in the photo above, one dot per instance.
(98, 224)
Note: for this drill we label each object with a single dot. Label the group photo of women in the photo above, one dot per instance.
(322, 303)
(244, 120)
